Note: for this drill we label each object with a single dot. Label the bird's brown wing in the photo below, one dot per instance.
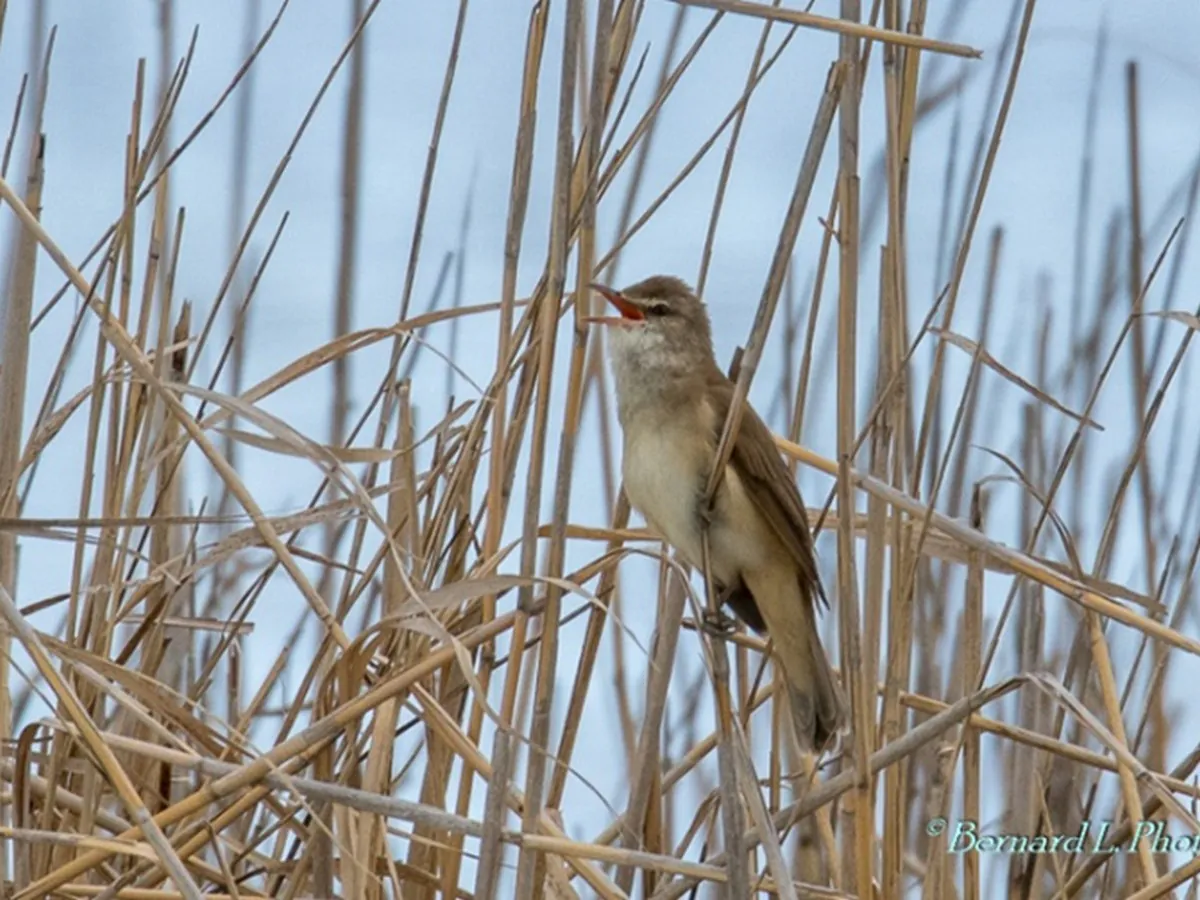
(767, 480)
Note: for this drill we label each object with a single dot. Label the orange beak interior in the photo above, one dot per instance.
(629, 312)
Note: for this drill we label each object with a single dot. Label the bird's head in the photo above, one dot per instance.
(661, 323)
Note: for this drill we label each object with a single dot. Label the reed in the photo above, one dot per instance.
(489, 680)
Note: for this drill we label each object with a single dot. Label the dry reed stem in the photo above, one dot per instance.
(829, 790)
(531, 867)
(845, 26)
(645, 759)
(731, 792)
(489, 854)
(1108, 687)
(136, 359)
(413, 603)
(972, 662)
(104, 755)
(1018, 561)
(14, 357)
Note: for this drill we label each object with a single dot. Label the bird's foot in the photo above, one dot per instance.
(717, 623)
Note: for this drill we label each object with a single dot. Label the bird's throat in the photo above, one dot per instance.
(654, 378)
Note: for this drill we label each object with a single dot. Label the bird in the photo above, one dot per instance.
(672, 401)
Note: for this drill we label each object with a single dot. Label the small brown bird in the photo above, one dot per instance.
(672, 400)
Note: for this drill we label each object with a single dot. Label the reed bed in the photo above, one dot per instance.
(458, 667)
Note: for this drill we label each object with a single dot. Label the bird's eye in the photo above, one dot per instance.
(658, 308)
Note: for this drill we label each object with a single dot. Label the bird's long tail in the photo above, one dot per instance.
(817, 708)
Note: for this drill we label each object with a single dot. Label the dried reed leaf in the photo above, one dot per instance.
(346, 455)
(1184, 318)
(970, 346)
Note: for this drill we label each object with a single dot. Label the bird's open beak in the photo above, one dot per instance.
(629, 312)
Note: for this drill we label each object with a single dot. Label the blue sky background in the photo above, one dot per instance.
(1033, 195)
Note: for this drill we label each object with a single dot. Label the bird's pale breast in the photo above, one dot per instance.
(665, 468)
(663, 482)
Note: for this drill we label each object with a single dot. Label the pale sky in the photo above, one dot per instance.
(1033, 195)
